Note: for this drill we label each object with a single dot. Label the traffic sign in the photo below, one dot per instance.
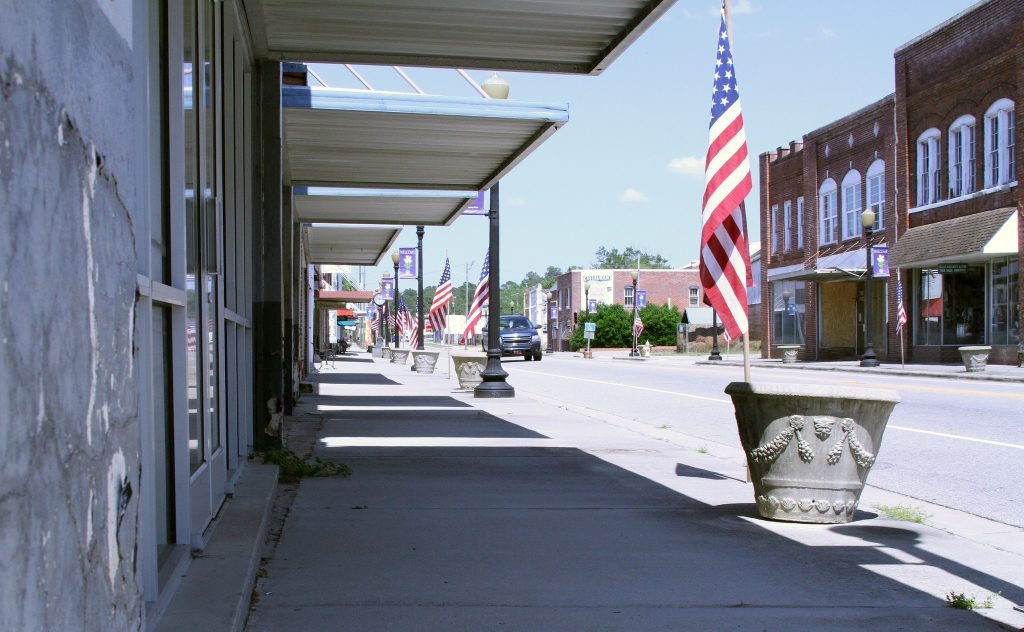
(591, 327)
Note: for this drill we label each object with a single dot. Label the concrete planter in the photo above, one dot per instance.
(377, 350)
(588, 354)
(788, 353)
(468, 367)
(385, 353)
(424, 361)
(975, 359)
(809, 448)
(399, 356)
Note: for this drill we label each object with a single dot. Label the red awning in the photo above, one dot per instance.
(345, 312)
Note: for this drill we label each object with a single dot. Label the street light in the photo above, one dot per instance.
(394, 258)
(716, 355)
(867, 219)
(634, 352)
(586, 298)
(551, 323)
(493, 382)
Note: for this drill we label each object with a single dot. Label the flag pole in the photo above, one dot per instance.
(746, 336)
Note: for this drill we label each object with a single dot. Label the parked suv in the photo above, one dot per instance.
(518, 337)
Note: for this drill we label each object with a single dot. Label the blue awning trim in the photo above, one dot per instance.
(319, 98)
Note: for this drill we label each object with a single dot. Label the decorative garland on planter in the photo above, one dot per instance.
(823, 429)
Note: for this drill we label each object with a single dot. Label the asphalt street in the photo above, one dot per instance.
(949, 442)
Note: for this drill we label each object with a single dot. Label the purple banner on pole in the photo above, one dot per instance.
(880, 261)
(371, 311)
(553, 316)
(476, 207)
(641, 299)
(592, 306)
(407, 263)
(387, 288)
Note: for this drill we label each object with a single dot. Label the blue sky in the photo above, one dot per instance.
(627, 170)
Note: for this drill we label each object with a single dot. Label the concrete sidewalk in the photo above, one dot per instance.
(466, 514)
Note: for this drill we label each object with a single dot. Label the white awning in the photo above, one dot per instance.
(565, 36)
(379, 206)
(362, 139)
(349, 245)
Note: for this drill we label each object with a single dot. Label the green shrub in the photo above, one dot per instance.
(294, 468)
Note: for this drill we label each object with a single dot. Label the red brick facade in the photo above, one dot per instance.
(960, 68)
(662, 287)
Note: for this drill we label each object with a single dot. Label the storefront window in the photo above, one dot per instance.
(1005, 315)
(951, 306)
(788, 301)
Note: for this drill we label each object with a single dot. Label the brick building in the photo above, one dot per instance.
(664, 287)
(936, 161)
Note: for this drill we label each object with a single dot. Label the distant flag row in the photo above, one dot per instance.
(443, 296)
(480, 298)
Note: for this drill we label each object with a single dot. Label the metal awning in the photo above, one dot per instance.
(698, 316)
(566, 36)
(379, 206)
(841, 266)
(362, 139)
(348, 245)
(975, 237)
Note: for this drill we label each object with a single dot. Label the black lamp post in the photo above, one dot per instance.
(867, 219)
(384, 324)
(419, 290)
(493, 376)
(634, 352)
(715, 353)
(586, 298)
(551, 321)
(394, 258)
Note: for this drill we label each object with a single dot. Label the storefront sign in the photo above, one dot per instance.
(407, 263)
(952, 268)
(880, 261)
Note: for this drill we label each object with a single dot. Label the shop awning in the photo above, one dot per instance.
(362, 139)
(967, 238)
(837, 267)
(349, 245)
(565, 36)
(698, 316)
(379, 206)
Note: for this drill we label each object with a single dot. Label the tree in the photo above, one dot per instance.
(660, 323)
(613, 259)
(614, 328)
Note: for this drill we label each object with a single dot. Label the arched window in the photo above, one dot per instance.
(828, 212)
(852, 204)
(1000, 164)
(928, 167)
(961, 156)
(876, 192)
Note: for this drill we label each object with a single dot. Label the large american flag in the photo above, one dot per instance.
(901, 311)
(724, 257)
(480, 297)
(442, 298)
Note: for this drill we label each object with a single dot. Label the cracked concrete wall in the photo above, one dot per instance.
(69, 429)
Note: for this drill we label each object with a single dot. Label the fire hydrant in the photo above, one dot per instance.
(645, 349)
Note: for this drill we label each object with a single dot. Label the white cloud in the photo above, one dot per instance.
(516, 202)
(827, 32)
(686, 165)
(635, 196)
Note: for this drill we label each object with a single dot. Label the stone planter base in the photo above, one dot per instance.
(975, 359)
(809, 448)
(399, 356)
(468, 367)
(424, 361)
(788, 353)
(588, 355)
(385, 353)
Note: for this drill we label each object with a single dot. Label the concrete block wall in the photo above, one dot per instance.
(70, 118)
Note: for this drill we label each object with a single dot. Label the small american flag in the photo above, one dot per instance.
(480, 298)
(724, 256)
(901, 312)
(638, 326)
(442, 298)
